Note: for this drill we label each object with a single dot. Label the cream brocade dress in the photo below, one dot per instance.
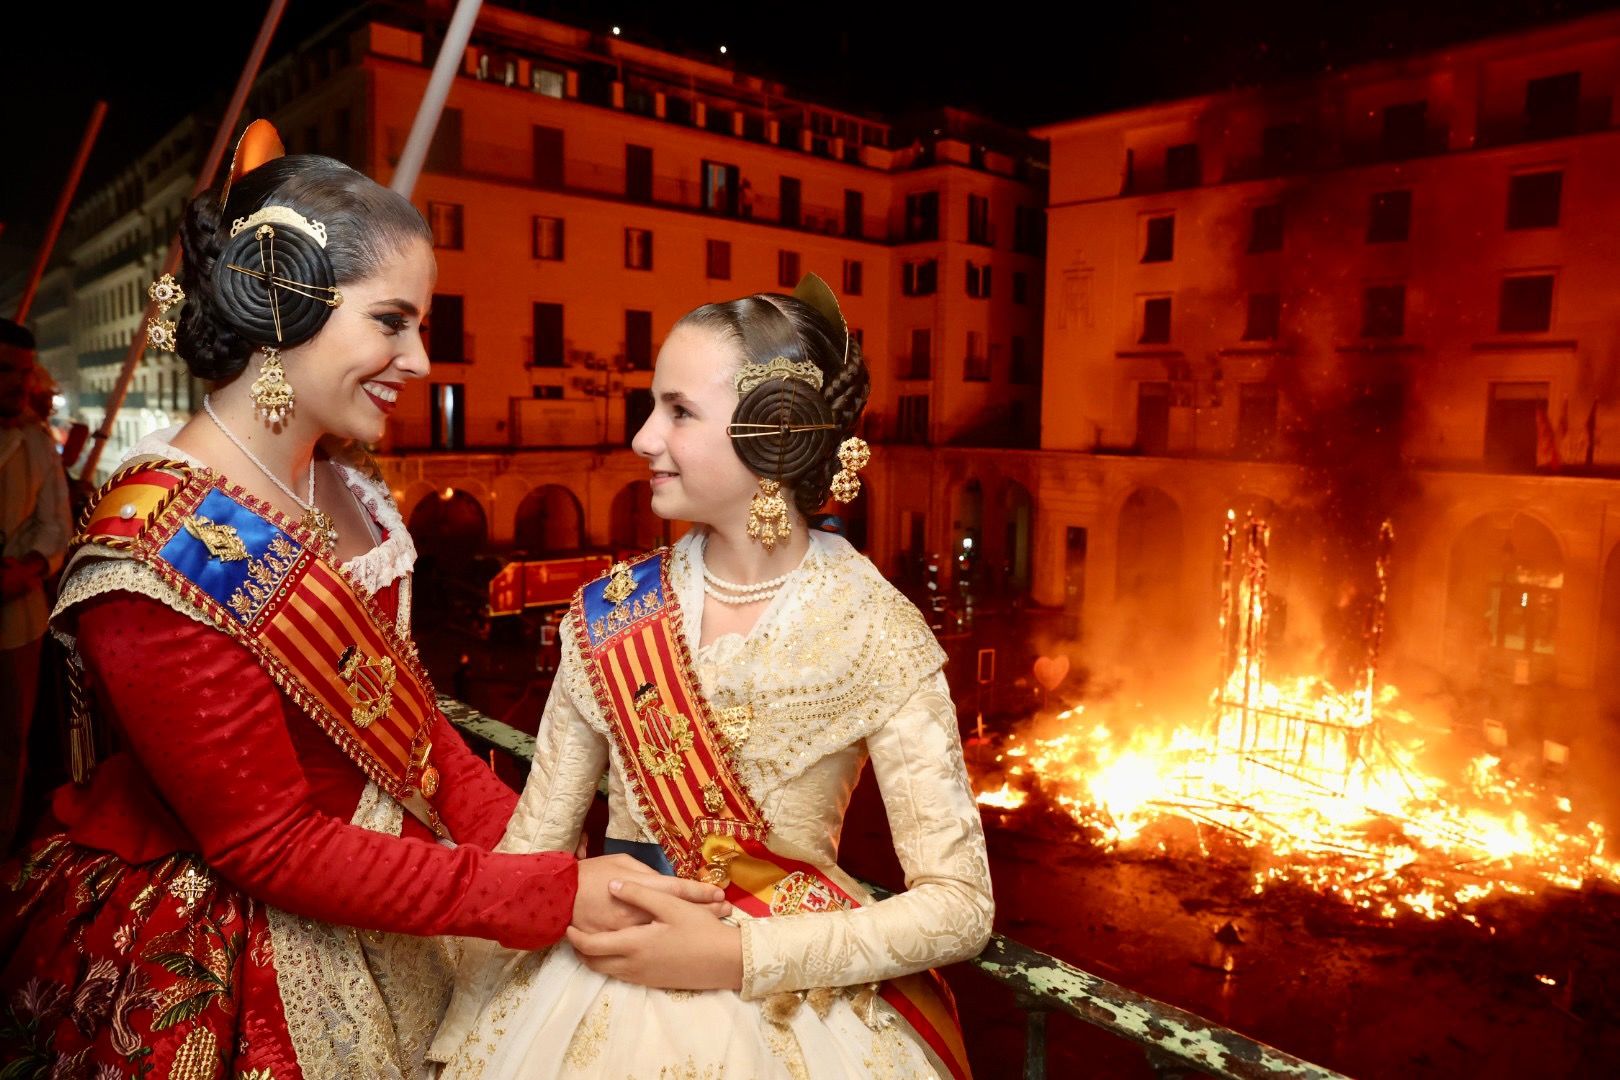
(840, 667)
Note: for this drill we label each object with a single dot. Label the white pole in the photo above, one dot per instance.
(451, 51)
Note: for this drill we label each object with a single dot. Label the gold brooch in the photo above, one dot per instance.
(666, 736)
(370, 682)
(620, 585)
(165, 292)
(222, 541)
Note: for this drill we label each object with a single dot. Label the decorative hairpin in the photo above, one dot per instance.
(778, 367)
(165, 292)
(281, 215)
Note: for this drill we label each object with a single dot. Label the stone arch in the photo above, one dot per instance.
(1018, 526)
(548, 521)
(1503, 596)
(451, 522)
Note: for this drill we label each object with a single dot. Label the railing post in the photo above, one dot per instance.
(1034, 1037)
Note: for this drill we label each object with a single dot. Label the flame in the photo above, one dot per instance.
(1325, 788)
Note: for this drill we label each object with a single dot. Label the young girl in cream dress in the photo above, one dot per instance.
(812, 664)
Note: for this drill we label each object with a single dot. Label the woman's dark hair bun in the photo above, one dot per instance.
(244, 303)
(211, 349)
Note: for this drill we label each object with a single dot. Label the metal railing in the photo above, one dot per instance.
(1173, 1040)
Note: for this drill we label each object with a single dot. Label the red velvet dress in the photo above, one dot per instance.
(136, 934)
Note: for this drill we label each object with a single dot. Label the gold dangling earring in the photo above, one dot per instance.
(272, 394)
(853, 455)
(768, 516)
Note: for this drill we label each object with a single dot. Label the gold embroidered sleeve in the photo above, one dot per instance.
(569, 759)
(945, 913)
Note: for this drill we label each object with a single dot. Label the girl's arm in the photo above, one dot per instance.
(945, 913)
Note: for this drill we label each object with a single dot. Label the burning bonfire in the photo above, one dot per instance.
(1323, 787)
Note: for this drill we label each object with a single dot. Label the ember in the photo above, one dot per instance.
(1323, 787)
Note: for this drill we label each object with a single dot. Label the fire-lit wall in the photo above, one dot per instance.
(1380, 291)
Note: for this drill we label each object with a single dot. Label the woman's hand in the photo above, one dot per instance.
(684, 946)
(598, 908)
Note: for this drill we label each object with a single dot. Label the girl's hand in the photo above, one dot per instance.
(685, 946)
(598, 908)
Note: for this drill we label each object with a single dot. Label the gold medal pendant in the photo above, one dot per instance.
(321, 526)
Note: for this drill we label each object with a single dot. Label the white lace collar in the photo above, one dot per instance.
(375, 569)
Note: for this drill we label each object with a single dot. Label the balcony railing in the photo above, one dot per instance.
(1172, 1039)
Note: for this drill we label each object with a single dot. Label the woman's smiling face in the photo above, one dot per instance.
(349, 375)
(696, 473)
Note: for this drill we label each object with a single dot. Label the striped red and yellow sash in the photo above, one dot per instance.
(259, 579)
(680, 772)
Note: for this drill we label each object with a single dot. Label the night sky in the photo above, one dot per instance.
(1018, 62)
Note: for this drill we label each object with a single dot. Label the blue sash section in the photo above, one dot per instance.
(243, 586)
(603, 619)
(648, 854)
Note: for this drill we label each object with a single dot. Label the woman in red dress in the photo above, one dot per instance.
(251, 885)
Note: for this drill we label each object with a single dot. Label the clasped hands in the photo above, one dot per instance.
(632, 923)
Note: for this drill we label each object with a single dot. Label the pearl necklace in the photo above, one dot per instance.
(315, 519)
(733, 592)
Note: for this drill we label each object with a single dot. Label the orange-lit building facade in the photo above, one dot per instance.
(1380, 291)
(585, 192)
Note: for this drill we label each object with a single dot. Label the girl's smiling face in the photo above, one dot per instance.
(696, 474)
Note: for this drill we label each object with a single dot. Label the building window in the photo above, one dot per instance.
(976, 367)
(1533, 200)
(1383, 311)
(1159, 243)
(787, 269)
(979, 220)
(1028, 229)
(444, 219)
(920, 361)
(1265, 315)
(1257, 420)
(717, 260)
(547, 83)
(1389, 217)
(911, 419)
(1021, 372)
(854, 213)
(791, 192)
(922, 216)
(1153, 418)
(638, 248)
(548, 238)
(1020, 287)
(1514, 418)
(638, 351)
(448, 342)
(1526, 306)
(1155, 321)
(978, 281)
(548, 335)
(638, 163)
(546, 145)
(920, 278)
(1552, 105)
(1181, 166)
(852, 277)
(721, 188)
(1405, 129)
(1282, 148)
(449, 420)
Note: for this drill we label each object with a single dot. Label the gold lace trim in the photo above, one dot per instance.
(360, 1003)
